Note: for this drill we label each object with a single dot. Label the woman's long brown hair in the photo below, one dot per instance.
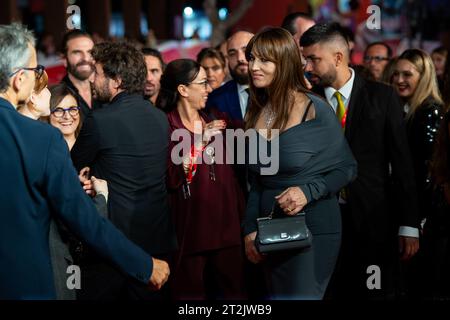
(278, 46)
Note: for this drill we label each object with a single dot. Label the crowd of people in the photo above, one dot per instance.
(91, 180)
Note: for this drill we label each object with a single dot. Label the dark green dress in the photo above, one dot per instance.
(314, 156)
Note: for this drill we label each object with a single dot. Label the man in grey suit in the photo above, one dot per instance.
(39, 182)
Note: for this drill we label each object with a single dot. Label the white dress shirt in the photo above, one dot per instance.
(243, 98)
(345, 91)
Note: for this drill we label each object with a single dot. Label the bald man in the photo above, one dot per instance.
(233, 96)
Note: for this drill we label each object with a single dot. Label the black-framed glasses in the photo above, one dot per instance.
(60, 112)
(39, 70)
(375, 58)
(204, 83)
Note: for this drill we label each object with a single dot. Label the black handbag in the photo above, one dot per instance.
(285, 233)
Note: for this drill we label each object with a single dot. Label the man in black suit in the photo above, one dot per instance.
(39, 184)
(374, 222)
(126, 143)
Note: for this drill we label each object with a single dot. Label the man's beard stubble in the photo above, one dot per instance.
(102, 94)
(242, 79)
(83, 75)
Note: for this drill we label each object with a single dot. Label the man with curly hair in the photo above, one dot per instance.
(126, 144)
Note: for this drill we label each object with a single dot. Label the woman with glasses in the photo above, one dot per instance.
(65, 113)
(205, 199)
(38, 105)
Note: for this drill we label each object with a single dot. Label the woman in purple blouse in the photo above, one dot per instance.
(206, 202)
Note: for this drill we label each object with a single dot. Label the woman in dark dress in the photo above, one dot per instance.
(315, 163)
(415, 80)
(205, 199)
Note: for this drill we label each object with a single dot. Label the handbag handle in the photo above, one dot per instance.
(270, 216)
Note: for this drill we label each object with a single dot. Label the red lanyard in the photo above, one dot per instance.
(344, 119)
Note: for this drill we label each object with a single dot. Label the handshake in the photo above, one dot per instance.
(93, 186)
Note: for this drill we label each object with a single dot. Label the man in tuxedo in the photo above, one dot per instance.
(233, 96)
(126, 143)
(39, 183)
(376, 225)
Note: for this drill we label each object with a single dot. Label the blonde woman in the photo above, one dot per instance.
(415, 80)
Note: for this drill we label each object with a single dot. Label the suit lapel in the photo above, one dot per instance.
(234, 103)
(354, 107)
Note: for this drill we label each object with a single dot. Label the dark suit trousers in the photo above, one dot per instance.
(349, 280)
(103, 282)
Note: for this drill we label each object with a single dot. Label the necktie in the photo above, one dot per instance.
(340, 109)
(340, 113)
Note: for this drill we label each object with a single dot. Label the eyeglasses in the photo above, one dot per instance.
(60, 112)
(376, 58)
(204, 83)
(39, 70)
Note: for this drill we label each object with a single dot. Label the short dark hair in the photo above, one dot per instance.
(440, 50)
(58, 93)
(72, 34)
(289, 21)
(211, 53)
(180, 71)
(380, 43)
(154, 53)
(122, 60)
(323, 32)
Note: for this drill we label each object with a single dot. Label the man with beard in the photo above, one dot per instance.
(155, 67)
(233, 96)
(377, 223)
(126, 143)
(77, 46)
